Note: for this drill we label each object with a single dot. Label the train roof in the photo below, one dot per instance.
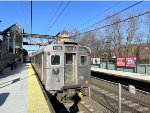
(54, 43)
(58, 43)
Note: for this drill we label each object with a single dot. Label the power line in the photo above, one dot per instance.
(100, 13)
(60, 5)
(53, 15)
(58, 17)
(114, 23)
(115, 14)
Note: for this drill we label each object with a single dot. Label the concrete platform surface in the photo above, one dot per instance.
(136, 76)
(20, 92)
(13, 90)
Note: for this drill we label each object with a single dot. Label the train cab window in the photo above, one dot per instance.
(83, 60)
(55, 59)
(69, 58)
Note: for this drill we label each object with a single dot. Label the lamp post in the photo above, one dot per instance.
(107, 46)
(8, 35)
(14, 41)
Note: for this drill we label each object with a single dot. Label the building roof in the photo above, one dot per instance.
(9, 28)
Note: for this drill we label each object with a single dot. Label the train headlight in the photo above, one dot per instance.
(48, 53)
(86, 82)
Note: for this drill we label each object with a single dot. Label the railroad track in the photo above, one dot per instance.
(107, 95)
(57, 107)
(68, 107)
(93, 106)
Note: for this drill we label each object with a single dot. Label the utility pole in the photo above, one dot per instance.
(107, 52)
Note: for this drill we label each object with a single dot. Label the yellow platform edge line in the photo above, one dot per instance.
(36, 99)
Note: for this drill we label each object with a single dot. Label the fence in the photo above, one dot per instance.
(141, 68)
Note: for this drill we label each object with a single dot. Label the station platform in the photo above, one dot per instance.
(129, 75)
(20, 92)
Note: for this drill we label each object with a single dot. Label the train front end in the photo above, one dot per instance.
(68, 69)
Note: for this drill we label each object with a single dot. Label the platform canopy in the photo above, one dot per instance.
(38, 36)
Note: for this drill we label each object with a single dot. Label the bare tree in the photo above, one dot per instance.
(100, 44)
(94, 41)
(148, 35)
(114, 34)
(75, 34)
(132, 26)
(148, 20)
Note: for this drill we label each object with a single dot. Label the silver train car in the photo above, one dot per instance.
(63, 68)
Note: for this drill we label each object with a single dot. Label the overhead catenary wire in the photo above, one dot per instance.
(102, 12)
(57, 17)
(114, 14)
(55, 13)
(141, 14)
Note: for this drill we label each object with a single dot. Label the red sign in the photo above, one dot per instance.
(120, 61)
(131, 62)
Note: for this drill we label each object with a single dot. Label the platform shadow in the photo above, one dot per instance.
(17, 70)
(13, 81)
(3, 97)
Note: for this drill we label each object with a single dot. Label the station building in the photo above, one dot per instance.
(11, 38)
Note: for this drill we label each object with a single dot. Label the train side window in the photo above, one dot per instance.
(83, 60)
(55, 59)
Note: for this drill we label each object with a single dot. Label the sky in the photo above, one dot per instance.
(74, 16)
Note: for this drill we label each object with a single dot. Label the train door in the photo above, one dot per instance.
(70, 68)
(55, 71)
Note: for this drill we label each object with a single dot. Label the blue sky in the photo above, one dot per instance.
(77, 13)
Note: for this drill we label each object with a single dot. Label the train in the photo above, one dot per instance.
(64, 68)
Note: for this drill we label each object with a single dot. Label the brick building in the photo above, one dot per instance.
(7, 38)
